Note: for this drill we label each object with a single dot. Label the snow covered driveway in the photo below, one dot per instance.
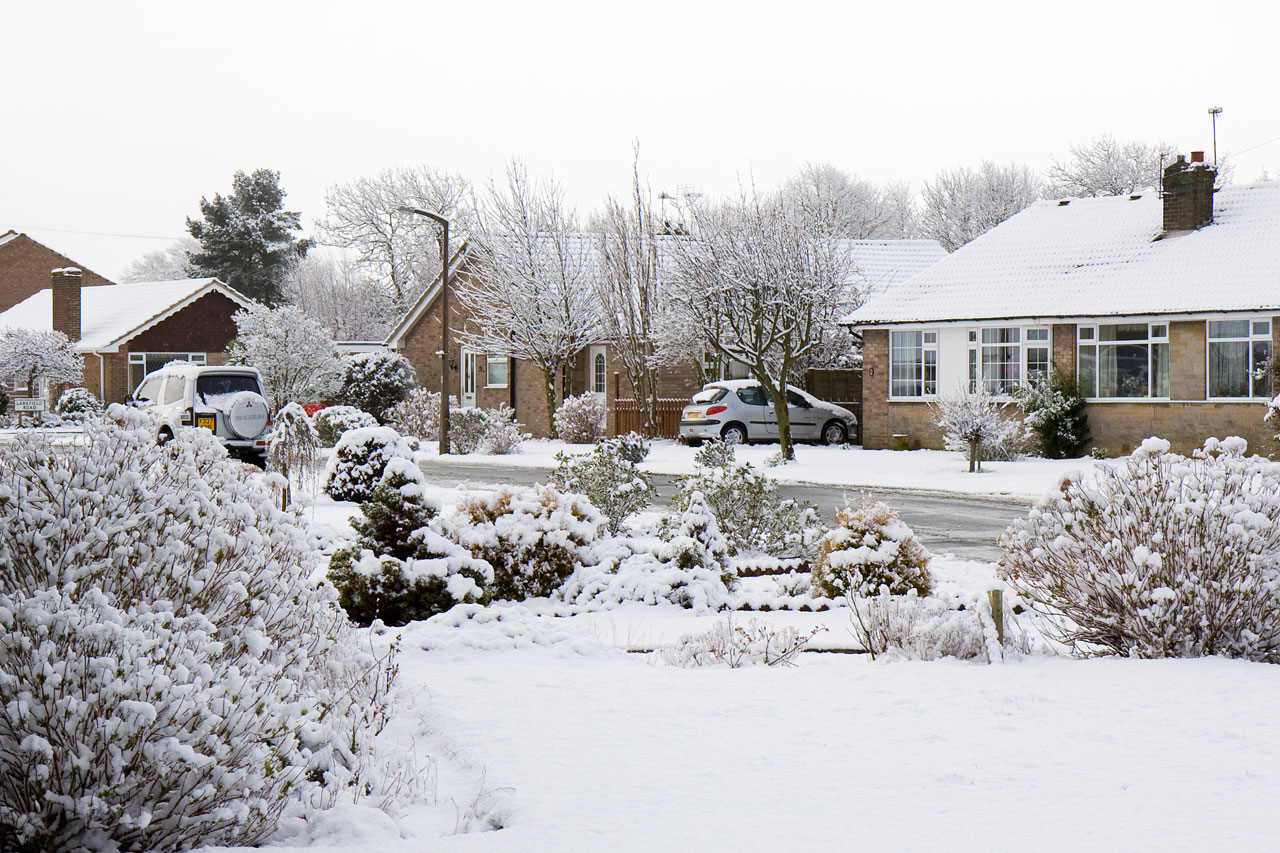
(605, 751)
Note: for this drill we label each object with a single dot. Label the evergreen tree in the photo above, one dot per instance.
(246, 239)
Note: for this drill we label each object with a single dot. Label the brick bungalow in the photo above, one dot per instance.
(1164, 306)
(25, 265)
(125, 331)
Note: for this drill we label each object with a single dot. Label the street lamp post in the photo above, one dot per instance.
(1214, 112)
(444, 322)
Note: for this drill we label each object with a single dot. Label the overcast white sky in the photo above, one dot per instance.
(116, 118)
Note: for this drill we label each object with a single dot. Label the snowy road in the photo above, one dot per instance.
(966, 526)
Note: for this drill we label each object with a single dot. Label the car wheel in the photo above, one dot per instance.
(734, 433)
(834, 433)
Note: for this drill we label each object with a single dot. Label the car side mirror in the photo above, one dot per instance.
(129, 401)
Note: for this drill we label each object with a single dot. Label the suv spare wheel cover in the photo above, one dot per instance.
(247, 414)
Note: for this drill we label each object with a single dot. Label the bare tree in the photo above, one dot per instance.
(627, 289)
(168, 264)
(331, 288)
(761, 287)
(963, 204)
(1104, 166)
(365, 214)
(530, 292)
(834, 203)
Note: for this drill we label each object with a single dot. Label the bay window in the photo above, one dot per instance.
(1239, 357)
(913, 363)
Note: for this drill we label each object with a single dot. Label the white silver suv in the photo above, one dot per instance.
(228, 401)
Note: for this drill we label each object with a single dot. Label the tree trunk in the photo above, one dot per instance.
(549, 381)
(783, 417)
(975, 457)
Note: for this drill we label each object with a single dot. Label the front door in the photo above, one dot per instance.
(467, 394)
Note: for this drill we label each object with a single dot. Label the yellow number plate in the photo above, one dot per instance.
(209, 422)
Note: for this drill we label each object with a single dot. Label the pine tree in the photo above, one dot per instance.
(246, 239)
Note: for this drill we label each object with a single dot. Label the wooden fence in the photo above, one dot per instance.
(628, 416)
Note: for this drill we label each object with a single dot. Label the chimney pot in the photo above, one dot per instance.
(1197, 156)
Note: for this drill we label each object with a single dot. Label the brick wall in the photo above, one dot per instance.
(1062, 348)
(25, 266)
(1120, 427)
(1187, 360)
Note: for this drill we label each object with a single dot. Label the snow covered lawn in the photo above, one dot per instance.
(917, 470)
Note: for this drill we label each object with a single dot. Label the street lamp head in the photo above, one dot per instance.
(404, 208)
(1215, 111)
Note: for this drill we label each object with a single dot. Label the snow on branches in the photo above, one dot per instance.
(30, 356)
(296, 357)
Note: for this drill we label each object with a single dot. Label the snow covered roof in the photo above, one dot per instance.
(113, 314)
(7, 236)
(1096, 257)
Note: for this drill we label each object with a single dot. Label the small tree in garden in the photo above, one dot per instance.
(1054, 410)
(295, 356)
(332, 422)
(613, 484)
(869, 547)
(294, 449)
(973, 422)
(375, 381)
(29, 356)
(170, 674)
(401, 569)
(1160, 556)
(580, 419)
(359, 460)
(533, 538)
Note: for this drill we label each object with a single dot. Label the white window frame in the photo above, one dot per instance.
(1089, 335)
(1033, 337)
(489, 361)
(140, 358)
(926, 369)
(1253, 337)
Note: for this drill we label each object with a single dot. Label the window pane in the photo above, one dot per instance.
(497, 372)
(1229, 369)
(1005, 335)
(1262, 327)
(1123, 332)
(751, 396)
(597, 373)
(1262, 368)
(1122, 370)
(931, 371)
(973, 371)
(1037, 363)
(1086, 370)
(1160, 370)
(1000, 369)
(1085, 334)
(1228, 328)
(1159, 331)
(905, 364)
(1037, 334)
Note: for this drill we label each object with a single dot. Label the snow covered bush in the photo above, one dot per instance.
(580, 419)
(77, 405)
(751, 514)
(401, 569)
(699, 549)
(735, 645)
(359, 460)
(632, 447)
(534, 538)
(715, 453)
(170, 675)
(909, 627)
(467, 426)
(614, 485)
(1159, 556)
(1054, 409)
(293, 451)
(418, 414)
(503, 435)
(975, 424)
(375, 381)
(867, 548)
(332, 421)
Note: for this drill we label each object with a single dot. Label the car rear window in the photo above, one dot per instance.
(708, 395)
(216, 385)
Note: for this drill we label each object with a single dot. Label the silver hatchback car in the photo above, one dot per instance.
(739, 410)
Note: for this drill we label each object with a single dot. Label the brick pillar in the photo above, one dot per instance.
(66, 302)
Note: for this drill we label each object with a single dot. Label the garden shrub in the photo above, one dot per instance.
(699, 550)
(466, 427)
(632, 446)
(359, 460)
(580, 419)
(77, 405)
(1158, 556)
(400, 568)
(503, 435)
(736, 645)
(375, 381)
(293, 450)
(910, 627)
(867, 548)
(418, 414)
(170, 674)
(332, 421)
(751, 514)
(4, 401)
(534, 538)
(1054, 409)
(613, 484)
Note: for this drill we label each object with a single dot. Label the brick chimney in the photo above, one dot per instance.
(1188, 193)
(66, 302)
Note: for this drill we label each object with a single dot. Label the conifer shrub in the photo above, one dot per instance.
(869, 548)
(400, 568)
(170, 674)
(4, 401)
(77, 405)
(612, 484)
(580, 419)
(332, 421)
(359, 460)
(375, 381)
(698, 551)
(1054, 409)
(533, 538)
(1158, 556)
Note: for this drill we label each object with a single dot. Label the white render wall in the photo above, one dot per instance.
(953, 360)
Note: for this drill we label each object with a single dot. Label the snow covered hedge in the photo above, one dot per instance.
(869, 547)
(534, 538)
(169, 674)
(359, 460)
(1158, 556)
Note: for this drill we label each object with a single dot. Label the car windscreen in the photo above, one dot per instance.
(708, 395)
(220, 385)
